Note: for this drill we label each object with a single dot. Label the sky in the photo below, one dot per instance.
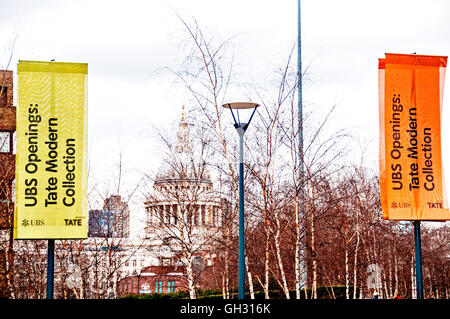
(127, 43)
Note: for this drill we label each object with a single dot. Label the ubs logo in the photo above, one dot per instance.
(32, 222)
(400, 205)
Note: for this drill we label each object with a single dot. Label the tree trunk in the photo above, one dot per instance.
(347, 279)
(250, 280)
(389, 282)
(280, 262)
(298, 270)
(223, 287)
(355, 265)
(314, 260)
(226, 290)
(190, 277)
(396, 292)
(9, 266)
(266, 267)
(413, 278)
(385, 284)
(355, 261)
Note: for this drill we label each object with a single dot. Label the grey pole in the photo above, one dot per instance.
(50, 268)
(300, 140)
(138, 282)
(240, 129)
(418, 258)
(241, 277)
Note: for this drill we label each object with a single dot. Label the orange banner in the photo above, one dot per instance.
(410, 99)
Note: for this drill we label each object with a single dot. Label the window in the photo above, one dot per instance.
(213, 218)
(203, 213)
(166, 262)
(175, 214)
(161, 215)
(5, 142)
(160, 288)
(171, 286)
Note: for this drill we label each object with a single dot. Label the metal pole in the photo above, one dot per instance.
(418, 257)
(138, 282)
(299, 74)
(50, 268)
(300, 138)
(241, 277)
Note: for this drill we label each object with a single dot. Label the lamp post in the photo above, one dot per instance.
(138, 274)
(241, 128)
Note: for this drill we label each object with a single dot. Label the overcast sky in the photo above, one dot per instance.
(125, 43)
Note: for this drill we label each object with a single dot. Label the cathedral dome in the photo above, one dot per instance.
(182, 166)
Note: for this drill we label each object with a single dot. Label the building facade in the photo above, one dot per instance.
(7, 175)
(183, 213)
(182, 190)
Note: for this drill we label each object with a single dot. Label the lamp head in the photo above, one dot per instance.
(241, 106)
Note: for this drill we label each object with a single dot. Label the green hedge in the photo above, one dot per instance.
(325, 292)
(177, 295)
(322, 293)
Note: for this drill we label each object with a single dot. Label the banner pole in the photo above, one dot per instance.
(418, 259)
(50, 268)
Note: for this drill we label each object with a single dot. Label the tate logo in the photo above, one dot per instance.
(73, 222)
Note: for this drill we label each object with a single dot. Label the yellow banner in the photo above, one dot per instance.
(51, 156)
(411, 174)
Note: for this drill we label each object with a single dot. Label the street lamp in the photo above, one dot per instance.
(138, 274)
(241, 128)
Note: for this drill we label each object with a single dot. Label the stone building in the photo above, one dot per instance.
(154, 279)
(182, 188)
(182, 204)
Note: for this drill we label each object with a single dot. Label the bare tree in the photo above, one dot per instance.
(182, 205)
(102, 256)
(207, 74)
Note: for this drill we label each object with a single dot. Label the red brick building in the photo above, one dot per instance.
(154, 279)
(7, 175)
(165, 279)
